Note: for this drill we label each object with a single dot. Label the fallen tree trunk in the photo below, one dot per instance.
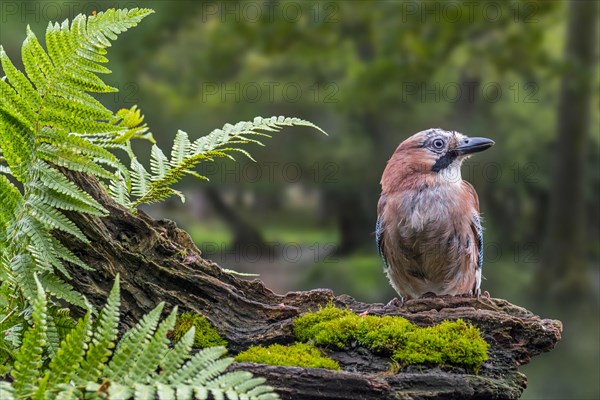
(159, 262)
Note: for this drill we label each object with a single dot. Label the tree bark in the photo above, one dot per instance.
(565, 242)
(159, 262)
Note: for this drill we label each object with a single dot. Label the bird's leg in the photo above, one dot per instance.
(392, 303)
(428, 295)
(395, 302)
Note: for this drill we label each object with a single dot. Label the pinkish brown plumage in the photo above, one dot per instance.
(428, 227)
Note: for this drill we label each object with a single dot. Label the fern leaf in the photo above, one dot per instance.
(61, 199)
(52, 337)
(68, 392)
(53, 179)
(105, 334)
(67, 158)
(15, 104)
(37, 64)
(11, 201)
(165, 392)
(144, 392)
(210, 372)
(199, 362)
(19, 82)
(185, 156)
(132, 344)
(159, 163)
(54, 219)
(61, 289)
(23, 269)
(7, 391)
(140, 178)
(68, 256)
(28, 361)
(70, 354)
(151, 354)
(175, 358)
(181, 148)
(131, 119)
(119, 191)
(40, 246)
(184, 392)
(16, 142)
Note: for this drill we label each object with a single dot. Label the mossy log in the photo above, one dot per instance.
(159, 262)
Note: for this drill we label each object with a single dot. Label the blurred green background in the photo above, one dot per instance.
(524, 73)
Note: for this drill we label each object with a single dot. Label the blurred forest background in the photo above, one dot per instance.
(524, 73)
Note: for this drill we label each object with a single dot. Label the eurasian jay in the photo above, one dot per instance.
(428, 228)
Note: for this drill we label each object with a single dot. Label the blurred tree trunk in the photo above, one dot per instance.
(564, 272)
(355, 226)
(245, 235)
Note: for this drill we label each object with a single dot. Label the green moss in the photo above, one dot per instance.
(205, 335)
(449, 343)
(296, 355)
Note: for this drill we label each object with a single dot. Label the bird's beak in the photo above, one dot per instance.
(474, 145)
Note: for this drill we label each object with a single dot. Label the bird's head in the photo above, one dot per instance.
(434, 155)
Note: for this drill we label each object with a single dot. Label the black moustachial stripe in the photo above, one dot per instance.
(444, 161)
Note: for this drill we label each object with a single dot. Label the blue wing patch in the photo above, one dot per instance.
(479, 230)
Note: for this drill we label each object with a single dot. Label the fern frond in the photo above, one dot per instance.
(132, 120)
(181, 148)
(14, 104)
(11, 202)
(65, 364)
(40, 243)
(7, 391)
(61, 289)
(140, 178)
(119, 190)
(105, 334)
(199, 362)
(69, 159)
(175, 357)
(52, 179)
(185, 156)
(53, 218)
(28, 361)
(20, 83)
(52, 337)
(23, 268)
(67, 255)
(159, 163)
(17, 142)
(132, 344)
(153, 353)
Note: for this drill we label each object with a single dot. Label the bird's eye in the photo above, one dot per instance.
(438, 144)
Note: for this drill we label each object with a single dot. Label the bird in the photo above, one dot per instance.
(428, 228)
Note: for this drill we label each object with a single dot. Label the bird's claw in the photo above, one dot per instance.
(395, 302)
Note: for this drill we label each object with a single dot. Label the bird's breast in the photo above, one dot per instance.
(429, 242)
(430, 208)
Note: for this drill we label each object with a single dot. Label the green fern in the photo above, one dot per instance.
(156, 185)
(49, 123)
(43, 114)
(48, 119)
(141, 366)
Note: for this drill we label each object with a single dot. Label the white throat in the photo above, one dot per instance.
(451, 174)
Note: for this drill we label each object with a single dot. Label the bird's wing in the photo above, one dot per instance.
(479, 235)
(471, 191)
(476, 224)
(379, 229)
